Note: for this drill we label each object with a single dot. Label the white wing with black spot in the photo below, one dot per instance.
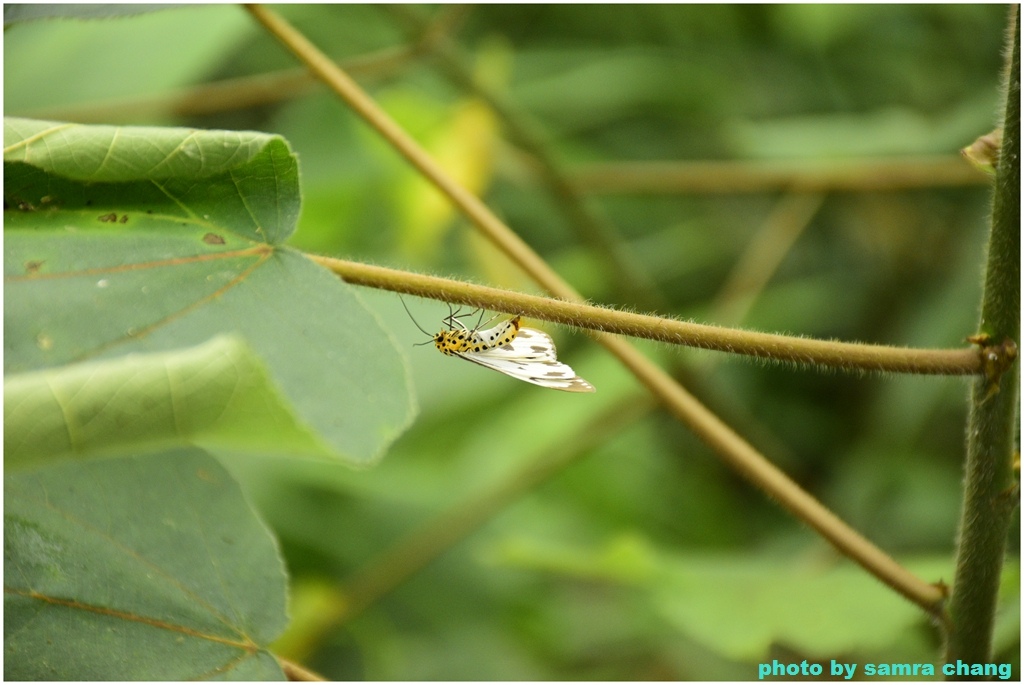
(530, 357)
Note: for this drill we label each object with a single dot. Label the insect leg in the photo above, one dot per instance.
(453, 317)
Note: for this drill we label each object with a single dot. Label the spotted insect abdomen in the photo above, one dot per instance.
(494, 337)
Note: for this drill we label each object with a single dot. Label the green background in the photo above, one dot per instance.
(646, 559)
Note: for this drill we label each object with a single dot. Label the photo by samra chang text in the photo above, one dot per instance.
(851, 671)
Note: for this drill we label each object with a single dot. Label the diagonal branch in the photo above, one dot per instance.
(584, 217)
(730, 447)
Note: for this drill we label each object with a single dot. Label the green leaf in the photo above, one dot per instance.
(143, 568)
(216, 394)
(28, 12)
(175, 176)
(818, 610)
(126, 240)
(61, 64)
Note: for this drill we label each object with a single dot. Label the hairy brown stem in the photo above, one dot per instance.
(783, 348)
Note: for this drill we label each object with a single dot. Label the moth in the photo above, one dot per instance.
(523, 353)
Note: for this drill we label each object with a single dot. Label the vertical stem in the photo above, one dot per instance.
(989, 493)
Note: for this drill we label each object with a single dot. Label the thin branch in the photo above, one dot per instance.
(990, 493)
(296, 673)
(730, 447)
(350, 92)
(707, 177)
(845, 356)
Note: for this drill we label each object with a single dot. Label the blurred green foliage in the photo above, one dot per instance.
(610, 83)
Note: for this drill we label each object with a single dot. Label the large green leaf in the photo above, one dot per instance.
(216, 394)
(142, 568)
(122, 240)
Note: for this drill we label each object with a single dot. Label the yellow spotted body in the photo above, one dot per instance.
(458, 341)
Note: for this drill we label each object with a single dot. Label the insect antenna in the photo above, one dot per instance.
(416, 322)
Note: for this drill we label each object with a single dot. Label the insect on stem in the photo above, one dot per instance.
(522, 353)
